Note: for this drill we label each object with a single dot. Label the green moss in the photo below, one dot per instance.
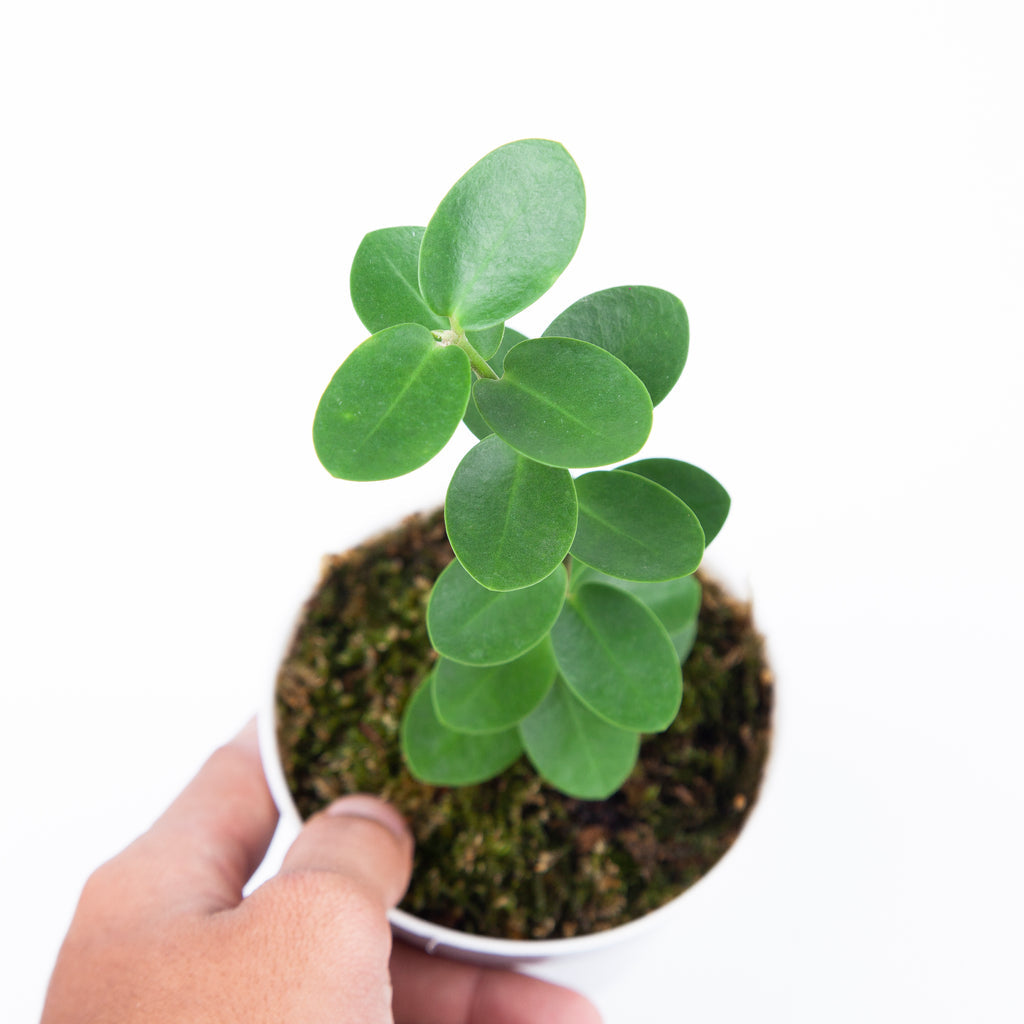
(513, 857)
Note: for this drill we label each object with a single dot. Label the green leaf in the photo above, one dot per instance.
(470, 624)
(384, 281)
(476, 423)
(441, 756)
(509, 340)
(492, 698)
(646, 328)
(684, 640)
(509, 519)
(486, 341)
(473, 419)
(567, 403)
(675, 602)
(503, 234)
(616, 657)
(574, 749)
(634, 529)
(392, 406)
(698, 489)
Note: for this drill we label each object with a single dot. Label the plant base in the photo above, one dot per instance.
(513, 858)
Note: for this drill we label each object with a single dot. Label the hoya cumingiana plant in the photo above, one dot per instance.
(562, 623)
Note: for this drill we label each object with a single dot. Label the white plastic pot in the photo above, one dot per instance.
(476, 949)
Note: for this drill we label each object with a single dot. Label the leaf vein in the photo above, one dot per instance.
(381, 420)
(414, 289)
(617, 531)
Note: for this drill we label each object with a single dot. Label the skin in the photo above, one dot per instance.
(162, 933)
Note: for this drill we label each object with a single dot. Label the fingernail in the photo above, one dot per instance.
(359, 805)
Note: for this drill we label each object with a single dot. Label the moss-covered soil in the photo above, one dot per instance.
(512, 857)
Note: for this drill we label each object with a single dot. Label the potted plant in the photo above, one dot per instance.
(529, 667)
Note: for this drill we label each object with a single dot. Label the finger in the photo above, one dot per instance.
(432, 990)
(361, 838)
(204, 848)
(327, 907)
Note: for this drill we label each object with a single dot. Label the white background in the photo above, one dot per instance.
(835, 192)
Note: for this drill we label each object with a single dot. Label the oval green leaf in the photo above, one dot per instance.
(675, 602)
(441, 756)
(384, 281)
(634, 529)
(503, 234)
(684, 640)
(575, 750)
(472, 625)
(473, 419)
(567, 403)
(392, 405)
(509, 519)
(647, 328)
(698, 489)
(385, 290)
(618, 659)
(488, 699)
(486, 341)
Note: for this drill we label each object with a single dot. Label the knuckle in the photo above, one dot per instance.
(236, 768)
(229, 759)
(331, 904)
(102, 886)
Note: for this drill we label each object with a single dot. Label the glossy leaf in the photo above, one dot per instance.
(470, 624)
(509, 340)
(566, 403)
(384, 281)
(476, 423)
(618, 659)
(675, 602)
(487, 340)
(441, 756)
(574, 749)
(473, 419)
(509, 519)
(684, 640)
(697, 488)
(647, 328)
(392, 405)
(634, 529)
(487, 699)
(503, 233)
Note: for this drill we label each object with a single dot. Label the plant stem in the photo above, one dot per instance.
(477, 361)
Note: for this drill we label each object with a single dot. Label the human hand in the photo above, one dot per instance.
(162, 933)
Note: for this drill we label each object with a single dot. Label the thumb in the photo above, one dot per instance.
(361, 838)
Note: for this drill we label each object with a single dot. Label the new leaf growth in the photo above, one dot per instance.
(562, 623)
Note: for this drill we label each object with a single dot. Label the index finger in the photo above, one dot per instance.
(433, 990)
(199, 854)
